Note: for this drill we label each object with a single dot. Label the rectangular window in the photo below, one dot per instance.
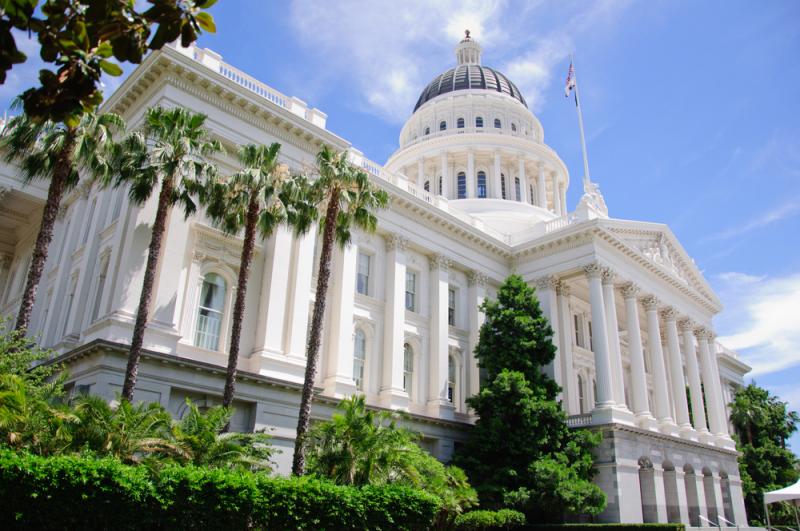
(411, 291)
(591, 339)
(451, 307)
(101, 284)
(362, 277)
(70, 300)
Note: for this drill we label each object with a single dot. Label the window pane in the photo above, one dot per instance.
(362, 278)
(408, 367)
(462, 185)
(451, 307)
(209, 315)
(481, 184)
(359, 357)
(411, 290)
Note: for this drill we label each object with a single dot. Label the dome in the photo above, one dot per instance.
(469, 77)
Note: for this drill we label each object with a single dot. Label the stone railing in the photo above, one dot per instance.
(579, 421)
(469, 130)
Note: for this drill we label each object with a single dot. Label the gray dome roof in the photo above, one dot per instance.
(469, 76)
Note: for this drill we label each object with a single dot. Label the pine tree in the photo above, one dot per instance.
(521, 452)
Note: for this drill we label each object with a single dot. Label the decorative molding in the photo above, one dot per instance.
(563, 289)
(630, 290)
(702, 333)
(650, 303)
(670, 314)
(476, 278)
(548, 282)
(440, 262)
(593, 270)
(608, 276)
(686, 325)
(396, 242)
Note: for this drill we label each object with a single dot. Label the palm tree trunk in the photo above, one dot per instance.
(63, 167)
(312, 354)
(238, 306)
(143, 312)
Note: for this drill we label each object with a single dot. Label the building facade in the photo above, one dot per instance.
(476, 194)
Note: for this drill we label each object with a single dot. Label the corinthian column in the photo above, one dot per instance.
(569, 376)
(640, 400)
(713, 397)
(523, 181)
(546, 292)
(676, 373)
(602, 359)
(445, 177)
(496, 184)
(392, 393)
(617, 380)
(438, 404)
(476, 294)
(556, 190)
(660, 391)
(693, 373)
(541, 190)
(470, 174)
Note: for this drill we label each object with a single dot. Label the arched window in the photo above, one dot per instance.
(530, 197)
(359, 358)
(427, 130)
(647, 490)
(517, 189)
(427, 186)
(408, 368)
(460, 123)
(451, 379)
(209, 312)
(581, 394)
(503, 185)
(442, 125)
(462, 185)
(481, 184)
(497, 123)
(479, 121)
(514, 127)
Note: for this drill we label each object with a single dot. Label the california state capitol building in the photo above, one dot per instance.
(476, 194)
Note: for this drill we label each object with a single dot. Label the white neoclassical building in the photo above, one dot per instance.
(476, 194)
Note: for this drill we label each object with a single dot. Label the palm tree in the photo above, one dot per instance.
(258, 198)
(57, 153)
(348, 198)
(170, 150)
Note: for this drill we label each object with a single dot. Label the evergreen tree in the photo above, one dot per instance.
(520, 452)
(762, 425)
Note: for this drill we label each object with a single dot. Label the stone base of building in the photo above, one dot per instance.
(653, 477)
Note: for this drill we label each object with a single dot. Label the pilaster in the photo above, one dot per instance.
(392, 393)
(477, 294)
(338, 381)
(438, 404)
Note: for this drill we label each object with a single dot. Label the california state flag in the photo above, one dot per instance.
(570, 81)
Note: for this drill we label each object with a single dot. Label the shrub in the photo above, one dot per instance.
(479, 520)
(72, 492)
(606, 527)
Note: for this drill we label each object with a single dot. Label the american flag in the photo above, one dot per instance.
(570, 81)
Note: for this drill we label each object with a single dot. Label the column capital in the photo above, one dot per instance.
(396, 242)
(563, 289)
(670, 314)
(630, 290)
(439, 261)
(703, 333)
(593, 270)
(546, 282)
(650, 303)
(608, 276)
(686, 325)
(476, 278)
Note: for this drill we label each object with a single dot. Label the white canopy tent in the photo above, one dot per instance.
(787, 494)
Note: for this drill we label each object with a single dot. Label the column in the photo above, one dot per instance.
(523, 181)
(541, 189)
(602, 360)
(712, 350)
(470, 174)
(445, 176)
(338, 380)
(556, 190)
(438, 405)
(301, 295)
(639, 397)
(477, 293)
(392, 394)
(421, 172)
(496, 179)
(617, 379)
(274, 293)
(562, 194)
(695, 389)
(675, 364)
(569, 376)
(660, 391)
(716, 420)
(546, 292)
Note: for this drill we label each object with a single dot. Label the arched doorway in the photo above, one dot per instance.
(727, 500)
(647, 490)
(711, 497)
(692, 500)
(671, 492)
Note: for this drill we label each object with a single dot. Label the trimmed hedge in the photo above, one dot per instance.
(480, 520)
(73, 492)
(610, 527)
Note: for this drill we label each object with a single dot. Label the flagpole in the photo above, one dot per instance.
(586, 177)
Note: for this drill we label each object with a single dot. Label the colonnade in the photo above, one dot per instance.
(671, 339)
(539, 183)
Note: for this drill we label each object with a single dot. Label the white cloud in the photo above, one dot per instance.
(389, 50)
(773, 215)
(762, 319)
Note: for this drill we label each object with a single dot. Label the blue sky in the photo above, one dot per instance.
(691, 112)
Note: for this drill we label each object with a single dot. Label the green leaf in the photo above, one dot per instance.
(112, 69)
(206, 22)
(206, 4)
